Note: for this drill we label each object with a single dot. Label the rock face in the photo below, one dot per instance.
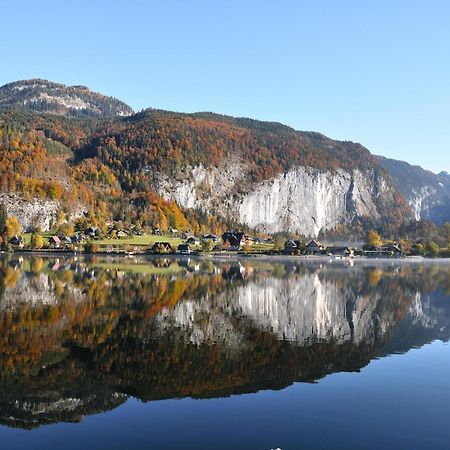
(303, 200)
(31, 213)
(46, 96)
(427, 193)
(305, 309)
(36, 211)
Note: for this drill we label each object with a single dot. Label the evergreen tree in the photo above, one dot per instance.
(3, 217)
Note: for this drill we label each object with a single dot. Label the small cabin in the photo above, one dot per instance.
(315, 247)
(54, 242)
(290, 247)
(162, 247)
(235, 240)
(92, 231)
(184, 249)
(394, 249)
(77, 238)
(338, 251)
(17, 241)
(383, 250)
(210, 237)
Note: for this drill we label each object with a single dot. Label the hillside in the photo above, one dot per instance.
(203, 171)
(427, 193)
(45, 96)
(264, 175)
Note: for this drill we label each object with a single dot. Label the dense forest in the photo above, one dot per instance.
(108, 164)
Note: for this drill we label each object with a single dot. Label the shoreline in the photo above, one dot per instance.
(223, 257)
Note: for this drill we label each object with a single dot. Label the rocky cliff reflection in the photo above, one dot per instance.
(78, 337)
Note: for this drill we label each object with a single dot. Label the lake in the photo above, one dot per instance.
(185, 353)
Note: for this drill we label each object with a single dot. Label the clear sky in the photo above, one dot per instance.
(374, 71)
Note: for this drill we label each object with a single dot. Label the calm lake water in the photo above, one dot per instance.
(249, 354)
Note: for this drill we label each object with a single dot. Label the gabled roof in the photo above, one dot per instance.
(233, 238)
(337, 249)
(315, 243)
(16, 239)
(210, 236)
(165, 245)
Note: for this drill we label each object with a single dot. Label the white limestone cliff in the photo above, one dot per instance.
(302, 200)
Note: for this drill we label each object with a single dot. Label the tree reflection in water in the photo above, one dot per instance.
(78, 337)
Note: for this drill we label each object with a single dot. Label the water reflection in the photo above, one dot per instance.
(78, 337)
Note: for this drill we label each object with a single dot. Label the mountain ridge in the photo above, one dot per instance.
(39, 95)
(173, 169)
(427, 193)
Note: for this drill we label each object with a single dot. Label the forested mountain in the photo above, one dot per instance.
(45, 96)
(200, 171)
(427, 193)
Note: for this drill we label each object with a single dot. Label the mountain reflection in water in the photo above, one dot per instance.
(79, 337)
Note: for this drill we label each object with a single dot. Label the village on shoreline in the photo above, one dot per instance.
(136, 242)
(117, 238)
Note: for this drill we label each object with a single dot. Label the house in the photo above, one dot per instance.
(387, 250)
(338, 251)
(157, 231)
(383, 250)
(235, 240)
(315, 247)
(122, 234)
(210, 237)
(92, 231)
(77, 238)
(290, 247)
(191, 240)
(184, 249)
(162, 247)
(54, 241)
(174, 231)
(16, 240)
(395, 249)
(65, 240)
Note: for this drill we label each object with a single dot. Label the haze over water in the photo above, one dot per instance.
(201, 354)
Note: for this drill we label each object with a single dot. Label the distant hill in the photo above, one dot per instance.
(74, 101)
(427, 193)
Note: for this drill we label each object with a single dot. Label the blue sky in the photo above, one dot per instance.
(376, 72)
